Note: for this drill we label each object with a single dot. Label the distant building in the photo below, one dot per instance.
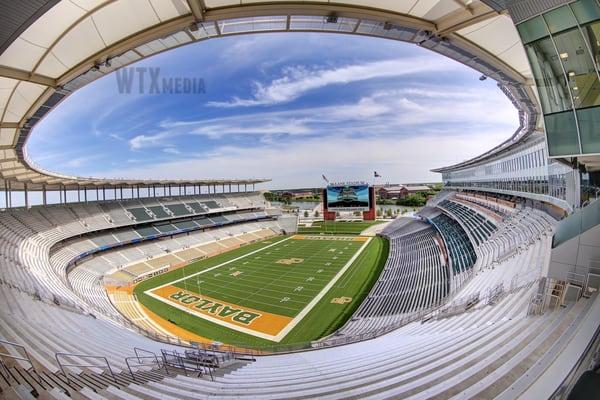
(400, 191)
(297, 194)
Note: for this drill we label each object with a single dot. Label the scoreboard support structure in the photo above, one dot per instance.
(369, 215)
(327, 215)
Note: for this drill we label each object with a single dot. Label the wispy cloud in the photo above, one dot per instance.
(298, 80)
(403, 111)
(141, 141)
(171, 150)
(273, 127)
(399, 159)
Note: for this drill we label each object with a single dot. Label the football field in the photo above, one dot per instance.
(266, 290)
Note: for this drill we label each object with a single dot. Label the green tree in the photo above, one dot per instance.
(389, 212)
(413, 200)
(305, 214)
(316, 214)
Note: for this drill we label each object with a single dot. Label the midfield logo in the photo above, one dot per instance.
(341, 300)
(217, 309)
(289, 261)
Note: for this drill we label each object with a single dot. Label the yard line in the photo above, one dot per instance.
(220, 265)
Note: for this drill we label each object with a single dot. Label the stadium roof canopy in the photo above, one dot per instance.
(50, 48)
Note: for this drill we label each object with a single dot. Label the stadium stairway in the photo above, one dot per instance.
(19, 383)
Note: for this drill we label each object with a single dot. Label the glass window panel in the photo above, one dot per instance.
(586, 10)
(549, 76)
(589, 121)
(590, 216)
(560, 19)
(567, 229)
(579, 64)
(532, 30)
(562, 134)
(591, 33)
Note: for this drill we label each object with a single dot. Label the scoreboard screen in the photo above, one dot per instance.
(348, 198)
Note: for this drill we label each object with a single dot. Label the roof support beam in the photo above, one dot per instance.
(9, 125)
(13, 73)
(275, 9)
(198, 8)
(464, 6)
(463, 18)
(120, 47)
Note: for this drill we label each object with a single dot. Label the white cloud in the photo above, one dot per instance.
(275, 127)
(398, 159)
(142, 141)
(298, 80)
(405, 111)
(171, 150)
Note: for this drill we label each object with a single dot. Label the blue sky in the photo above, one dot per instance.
(290, 107)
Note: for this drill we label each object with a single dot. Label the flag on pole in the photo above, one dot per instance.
(325, 178)
(376, 174)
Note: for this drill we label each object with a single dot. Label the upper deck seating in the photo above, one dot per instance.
(479, 227)
(461, 251)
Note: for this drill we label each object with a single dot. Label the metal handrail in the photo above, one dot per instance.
(141, 363)
(62, 366)
(138, 350)
(27, 359)
(178, 360)
(199, 362)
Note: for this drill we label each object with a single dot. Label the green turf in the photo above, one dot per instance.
(268, 286)
(338, 227)
(263, 285)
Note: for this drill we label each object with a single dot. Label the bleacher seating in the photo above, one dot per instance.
(415, 277)
(488, 350)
